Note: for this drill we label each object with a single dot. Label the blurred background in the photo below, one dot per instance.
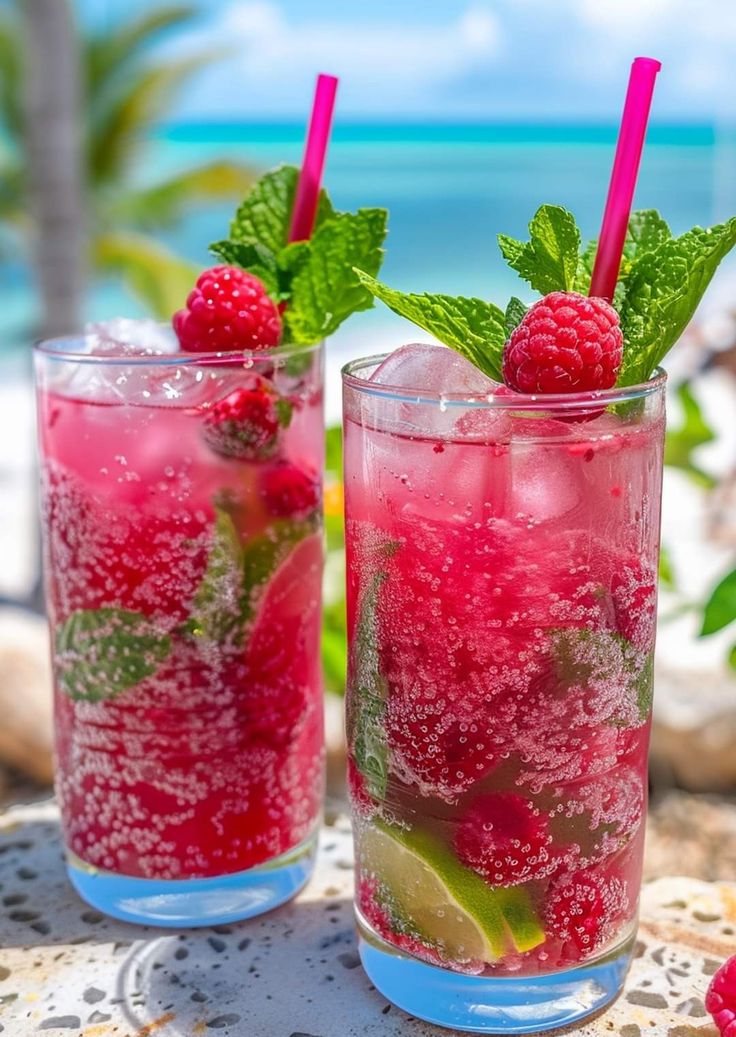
(130, 128)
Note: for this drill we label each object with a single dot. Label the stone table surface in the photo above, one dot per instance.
(65, 969)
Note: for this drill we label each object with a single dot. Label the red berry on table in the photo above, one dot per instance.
(583, 910)
(566, 342)
(505, 839)
(289, 491)
(720, 1000)
(228, 309)
(247, 422)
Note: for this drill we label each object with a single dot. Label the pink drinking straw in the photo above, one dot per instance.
(623, 176)
(315, 152)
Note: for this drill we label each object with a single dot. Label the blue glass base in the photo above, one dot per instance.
(195, 902)
(480, 1004)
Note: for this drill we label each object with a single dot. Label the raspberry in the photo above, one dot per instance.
(565, 343)
(720, 1000)
(247, 422)
(505, 839)
(289, 491)
(583, 910)
(226, 310)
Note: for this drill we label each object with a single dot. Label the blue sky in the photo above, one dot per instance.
(448, 59)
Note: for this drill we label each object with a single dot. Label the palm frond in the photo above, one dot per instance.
(160, 279)
(108, 55)
(12, 193)
(120, 124)
(11, 70)
(162, 204)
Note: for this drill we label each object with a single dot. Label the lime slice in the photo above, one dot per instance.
(449, 906)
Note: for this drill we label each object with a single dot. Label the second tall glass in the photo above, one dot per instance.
(183, 536)
(502, 567)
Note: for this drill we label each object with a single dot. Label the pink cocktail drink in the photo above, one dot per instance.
(501, 596)
(183, 562)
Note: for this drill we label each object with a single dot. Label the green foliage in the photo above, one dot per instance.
(315, 277)
(720, 609)
(682, 440)
(549, 260)
(666, 570)
(474, 328)
(103, 652)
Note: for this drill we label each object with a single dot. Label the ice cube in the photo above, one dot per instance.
(426, 368)
(123, 336)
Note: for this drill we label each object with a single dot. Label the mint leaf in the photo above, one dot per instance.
(253, 257)
(264, 216)
(549, 261)
(515, 313)
(325, 289)
(646, 231)
(368, 695)
(264, 554)
(682, 440)
(666, 569)
(103, 652)
(315, 278)
(473, 328)
(583, 656)
(720, 609)
(217, 609)
(663, 290)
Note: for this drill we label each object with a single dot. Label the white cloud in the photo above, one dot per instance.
(403, 59)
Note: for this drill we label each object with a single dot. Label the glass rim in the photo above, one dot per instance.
(58, 348)
(514, 401)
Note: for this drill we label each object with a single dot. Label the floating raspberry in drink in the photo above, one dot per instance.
(720, 999)
(564, 343)
(246, 423)
(583, 909)
(289, 491)
(227, 310)
(506, 839)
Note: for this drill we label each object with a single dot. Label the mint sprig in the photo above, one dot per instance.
(660, 284)
(662, 291)
(103, 652)
(237, 572)
(369, 693)
(314, 278)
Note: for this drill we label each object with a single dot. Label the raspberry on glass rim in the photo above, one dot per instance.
(228, 309)
(564, 343)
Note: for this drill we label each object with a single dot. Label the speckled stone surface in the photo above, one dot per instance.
(66, 970)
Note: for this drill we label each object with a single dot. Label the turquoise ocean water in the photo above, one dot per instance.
(449, 189)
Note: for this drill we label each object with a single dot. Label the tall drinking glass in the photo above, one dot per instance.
(182, 529)
(502, 570)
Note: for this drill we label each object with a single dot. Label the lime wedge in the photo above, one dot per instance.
(446, 904)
